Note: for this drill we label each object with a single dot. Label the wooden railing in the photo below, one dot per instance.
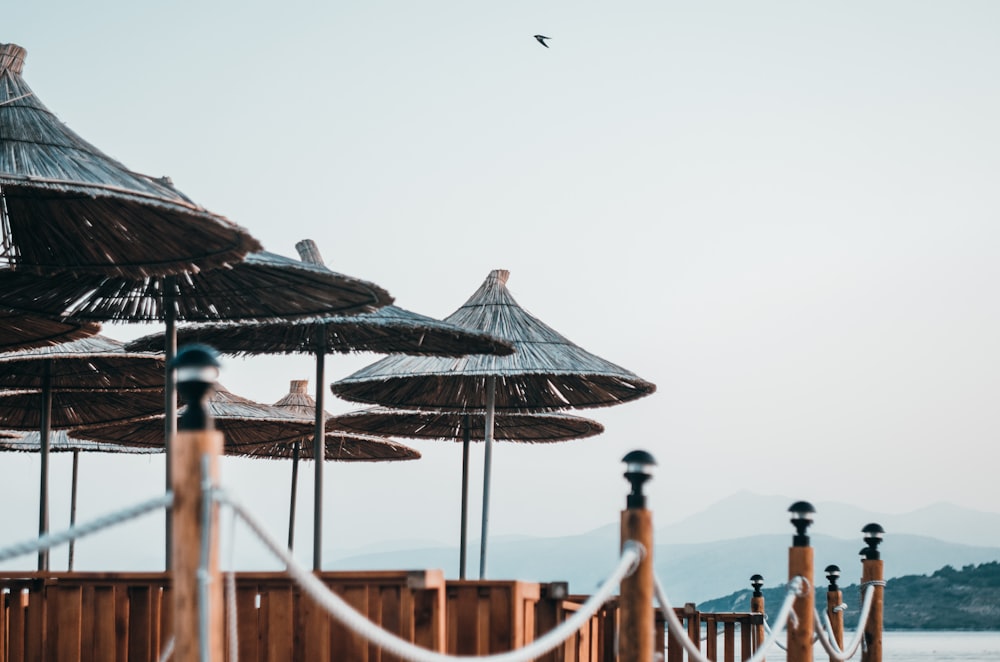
(119, 617)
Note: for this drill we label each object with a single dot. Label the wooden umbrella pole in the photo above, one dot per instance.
(637, 630)
(491, 392)
(295, 490)
(463, 544)
(72, 506)
(45, 438)
(319, 453)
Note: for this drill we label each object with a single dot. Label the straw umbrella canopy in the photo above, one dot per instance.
(263, 286)
(339, 446)
(246, 425)
(62, 386)
(467, 427)
(23, 331)
(62, 441)
(546, 372)
(388, 329)
(65, 205)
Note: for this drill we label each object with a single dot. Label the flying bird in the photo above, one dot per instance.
(541, 39)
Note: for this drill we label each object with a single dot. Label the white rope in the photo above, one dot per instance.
(674, 624)
(168, 651)
(632, 554)
(827, 640)
(80, 530)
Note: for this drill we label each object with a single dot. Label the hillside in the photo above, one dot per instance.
(948, 599)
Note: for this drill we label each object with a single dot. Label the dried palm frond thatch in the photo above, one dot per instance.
(64, 441)
(22, 410)
(541, 427)
(91, 363)
(545, 372)
(24, 331)
(264, 286)
(65, 205)
(244, 423)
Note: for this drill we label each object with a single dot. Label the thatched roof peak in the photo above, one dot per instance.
(500, 275)
(299, 386)
(11, 58)
(309, 252)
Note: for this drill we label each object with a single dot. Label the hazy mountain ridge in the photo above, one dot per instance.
(694, 570)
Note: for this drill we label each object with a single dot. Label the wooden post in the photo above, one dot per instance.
(873, 572)
(800, 564)
(757, 607)
(197, 447)
(637, 629)
(835, 598)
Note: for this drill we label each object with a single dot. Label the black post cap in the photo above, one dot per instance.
(802, 512)
(638, 469)
(873, 537)
(757, 581)
(197, 369)
(832, 575)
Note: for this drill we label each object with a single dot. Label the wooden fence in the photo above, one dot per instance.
(125, 617)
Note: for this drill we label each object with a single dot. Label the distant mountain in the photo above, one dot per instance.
(747, 514)
(714, 552)
(948, 599)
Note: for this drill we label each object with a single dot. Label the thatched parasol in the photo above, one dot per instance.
(61, 441)
(466, 427)
(388, 329)
(546, 372)
(264, 286)
(245, 423)
(339, 446)
(22, 331)
(92, 380)
(67, 206)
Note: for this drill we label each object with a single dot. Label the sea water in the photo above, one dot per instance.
(923, 646)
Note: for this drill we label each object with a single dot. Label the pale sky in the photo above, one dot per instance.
(784, 214)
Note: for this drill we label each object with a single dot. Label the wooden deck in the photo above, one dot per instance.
(119, 617)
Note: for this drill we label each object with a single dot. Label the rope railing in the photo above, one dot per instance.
(825, 634)
(87, 528)
(795, 588)
(632, 553)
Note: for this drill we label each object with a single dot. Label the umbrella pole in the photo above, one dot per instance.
(295, 489)
(169, 402)
(45, 437)
(319, 452)
(72, 506)
(491, 393)
(466, 435)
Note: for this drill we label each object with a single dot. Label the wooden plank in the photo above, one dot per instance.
(34, 638)
(313, 631)
(345, 644)
(140, 647)
(67, 623)
(746, 639)
(166, 618)
(675, 651)
(279, 624)
(389, 606)
(504, 626)
(16, 617)
(103, 641)
(247, 625)
(121, 623)
(463, 620)
(5, 596)
(711, 638)
(729, 641)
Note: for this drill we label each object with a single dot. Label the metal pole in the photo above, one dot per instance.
(637, 633)
(169, 399)
(72, 505)
(295, 490)
(46, 439)
(319, 451)
(491, 393)
(466, 438)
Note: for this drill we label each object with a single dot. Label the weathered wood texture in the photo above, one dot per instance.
(126, 617)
